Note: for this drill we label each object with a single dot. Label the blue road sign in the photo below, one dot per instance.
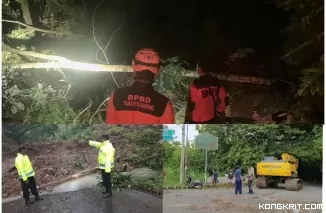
(168, 134)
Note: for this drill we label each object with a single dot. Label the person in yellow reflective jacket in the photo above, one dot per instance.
(26, 175)
(105, 162)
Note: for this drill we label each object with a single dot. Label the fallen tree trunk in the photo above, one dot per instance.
(63, 63)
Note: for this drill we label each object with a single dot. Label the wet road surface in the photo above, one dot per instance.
(225, 201)
(89, 201)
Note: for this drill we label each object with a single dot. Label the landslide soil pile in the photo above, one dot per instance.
(56, 160)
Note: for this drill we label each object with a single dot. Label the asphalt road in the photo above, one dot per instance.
(225, 201)
(89, 201)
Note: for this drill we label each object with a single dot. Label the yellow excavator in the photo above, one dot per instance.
(272, 171)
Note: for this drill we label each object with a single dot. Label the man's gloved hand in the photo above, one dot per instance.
(26, 182)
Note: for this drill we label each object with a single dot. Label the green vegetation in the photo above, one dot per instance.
(152, 185)
(304, 34)
(246, 145)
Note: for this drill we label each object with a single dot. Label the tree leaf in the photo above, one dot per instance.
(14, 110)
(20, 106)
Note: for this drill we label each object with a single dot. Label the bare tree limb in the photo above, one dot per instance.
(26, 13)
(84, 110)
(34, 54)
(124, 68)
(64, 63)
(235, 78)
(35, 28)
(318, 36)
(72, 65)
(98, 109)
(108, 43)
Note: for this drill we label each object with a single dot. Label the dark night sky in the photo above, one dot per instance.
(176, 27)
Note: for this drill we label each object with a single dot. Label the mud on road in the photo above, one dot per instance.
(52, 162)
(225, 201)
(89, 201)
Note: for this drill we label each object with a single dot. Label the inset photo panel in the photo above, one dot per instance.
(242, 168)
(82, 168)
(163, 62)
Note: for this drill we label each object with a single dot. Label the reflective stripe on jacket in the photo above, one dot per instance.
(24, 167)
(106, 154)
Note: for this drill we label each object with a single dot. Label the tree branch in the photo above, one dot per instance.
(34, 54)
(72, 65)
(64, 63)
(303, 45)
(41, 30)
(108, 43)
(34, 28)
(26, 13)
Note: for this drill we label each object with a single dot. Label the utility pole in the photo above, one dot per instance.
(182, 160)
(186, 152)
(206, 164)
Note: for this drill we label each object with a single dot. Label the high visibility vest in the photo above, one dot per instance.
(24, 167)
(106, 154)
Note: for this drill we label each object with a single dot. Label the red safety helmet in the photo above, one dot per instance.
(146, 59)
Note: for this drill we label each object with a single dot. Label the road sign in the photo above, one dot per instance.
(168, 134)
(206, 141)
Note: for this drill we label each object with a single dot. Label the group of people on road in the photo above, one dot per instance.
(141, 104)
(235, 178)
(238, 179)
(23, 165)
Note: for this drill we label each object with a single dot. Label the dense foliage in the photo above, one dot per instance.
(304, 46)
(246, 145)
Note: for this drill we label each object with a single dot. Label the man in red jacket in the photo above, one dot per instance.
(140, 103)
(207, 100)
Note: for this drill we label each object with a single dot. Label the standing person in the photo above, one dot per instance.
(26, 175)
(230, 179)
(140, 103)
(215, 176)
(251, 177)
(105, 162)
(237, 180)
(207, 100)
